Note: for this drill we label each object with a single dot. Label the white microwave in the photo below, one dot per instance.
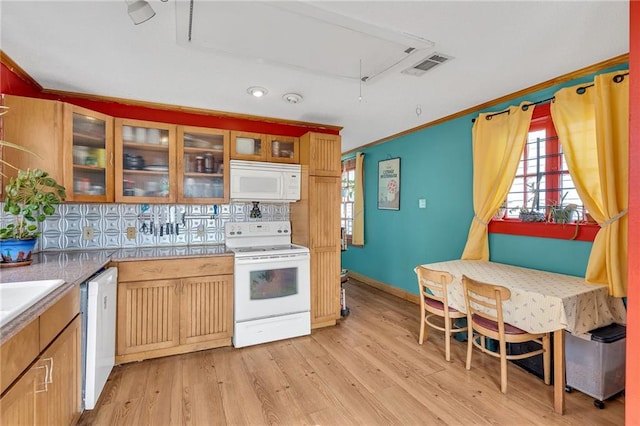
(261, 181)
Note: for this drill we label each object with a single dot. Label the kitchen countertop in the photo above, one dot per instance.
(76, 267)
(157, 253)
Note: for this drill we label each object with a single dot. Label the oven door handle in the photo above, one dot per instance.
(271, 259)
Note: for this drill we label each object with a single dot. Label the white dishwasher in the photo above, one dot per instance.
(98, 298)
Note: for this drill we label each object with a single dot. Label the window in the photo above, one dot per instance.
(542, 166)
(348, 196)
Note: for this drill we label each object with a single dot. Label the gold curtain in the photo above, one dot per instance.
(594, 132)
(357, 238)
(497, 147)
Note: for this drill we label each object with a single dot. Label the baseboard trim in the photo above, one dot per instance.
(387, 288)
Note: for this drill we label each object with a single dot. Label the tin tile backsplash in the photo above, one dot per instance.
(203, 224)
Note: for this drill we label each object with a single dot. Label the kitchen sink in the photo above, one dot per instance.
(17, 297)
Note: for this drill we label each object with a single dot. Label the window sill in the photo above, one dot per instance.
(586, 231)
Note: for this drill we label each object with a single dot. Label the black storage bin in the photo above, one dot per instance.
(534, 364)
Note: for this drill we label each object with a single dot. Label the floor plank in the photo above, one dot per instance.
(367, 370)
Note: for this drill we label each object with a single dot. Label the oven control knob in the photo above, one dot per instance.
(279, 231)
(232, 233)
(286, 231)
(239, 232)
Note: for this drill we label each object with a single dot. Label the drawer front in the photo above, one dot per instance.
(17, 353)
(147, 270)
(56, 318)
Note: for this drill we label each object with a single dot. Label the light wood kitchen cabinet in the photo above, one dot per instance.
(206, 309)
(49, 390)
(282, 149)
(35, 124)
(148, 314)
(145, 162)
(88, 155)
(264, 147)
(321, 152)
(18, 405)
(315, 221)
(203, 165)
(248, 146)
(59, 402)
(173, 306)
(73, 144)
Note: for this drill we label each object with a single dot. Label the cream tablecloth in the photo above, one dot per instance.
(540, 301)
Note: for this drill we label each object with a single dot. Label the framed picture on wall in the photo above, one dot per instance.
(389, 184)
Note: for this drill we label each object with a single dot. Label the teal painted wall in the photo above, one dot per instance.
(436, 164)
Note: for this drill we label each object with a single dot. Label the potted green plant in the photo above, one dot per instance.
(30, 197)
(532, 214)
(559, 213)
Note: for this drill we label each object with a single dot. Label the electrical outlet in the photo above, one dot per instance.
(87, 233)
(200, 231)
(131, 232)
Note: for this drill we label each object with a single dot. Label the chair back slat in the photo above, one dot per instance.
(433, 284)
(485, 299)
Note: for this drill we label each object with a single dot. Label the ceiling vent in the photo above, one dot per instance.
(426, 64)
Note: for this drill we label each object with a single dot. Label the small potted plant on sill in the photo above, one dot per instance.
(29, 197)
(562, 215)
(533, 215)
(559, 213)
(501, 212)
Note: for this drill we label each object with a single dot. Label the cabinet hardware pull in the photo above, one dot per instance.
(49, 379)
(44, 382)
(111, 159)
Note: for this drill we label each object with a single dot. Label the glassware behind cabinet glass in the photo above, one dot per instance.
(89, 155)
(203, 157)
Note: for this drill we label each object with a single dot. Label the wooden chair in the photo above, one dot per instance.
(434, 303)
(484, 317)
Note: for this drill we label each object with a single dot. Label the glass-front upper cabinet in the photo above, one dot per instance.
(248, 146)
(145, 161)
(88, 153)
(263, 147)
(203, 160)
(282, 149)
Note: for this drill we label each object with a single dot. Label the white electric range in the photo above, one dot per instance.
(272, 294)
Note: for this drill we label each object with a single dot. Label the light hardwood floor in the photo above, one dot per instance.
(368, 370)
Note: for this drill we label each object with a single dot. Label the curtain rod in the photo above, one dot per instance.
(618, 78)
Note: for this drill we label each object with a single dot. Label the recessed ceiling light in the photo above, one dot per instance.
(292, 98)
(257, 91)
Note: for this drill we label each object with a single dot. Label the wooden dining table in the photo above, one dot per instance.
(541, 302)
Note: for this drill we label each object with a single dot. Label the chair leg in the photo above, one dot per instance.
(546, 358)
(447, 340)
(469, 343)
(422, 324)
(503, 366)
